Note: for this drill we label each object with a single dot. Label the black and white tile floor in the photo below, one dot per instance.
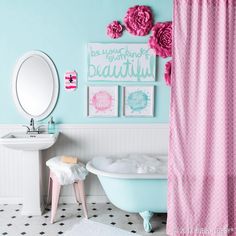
(12, 223)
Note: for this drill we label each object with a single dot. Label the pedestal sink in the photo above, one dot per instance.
(31, 146)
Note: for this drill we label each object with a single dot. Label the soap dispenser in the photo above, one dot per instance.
(51, 126)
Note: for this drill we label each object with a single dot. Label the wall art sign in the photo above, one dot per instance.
(138, 101)
(102, 101)
(120, 62)
(70, 80)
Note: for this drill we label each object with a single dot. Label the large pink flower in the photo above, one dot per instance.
(114, 30)
(139, 20)
(167, 74)
(161, 39)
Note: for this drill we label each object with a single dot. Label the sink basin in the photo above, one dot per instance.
(28, 142)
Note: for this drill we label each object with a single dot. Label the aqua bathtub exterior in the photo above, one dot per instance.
(138, 193)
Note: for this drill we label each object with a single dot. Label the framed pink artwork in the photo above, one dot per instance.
(102, 101)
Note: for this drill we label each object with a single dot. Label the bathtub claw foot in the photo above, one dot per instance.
(147, 215)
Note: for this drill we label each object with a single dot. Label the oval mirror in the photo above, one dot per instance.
(35, 85)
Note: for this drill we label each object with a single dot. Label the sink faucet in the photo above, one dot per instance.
(31, 128)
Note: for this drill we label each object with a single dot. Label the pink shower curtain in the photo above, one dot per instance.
(202, 157)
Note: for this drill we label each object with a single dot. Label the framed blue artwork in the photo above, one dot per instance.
(138, 101)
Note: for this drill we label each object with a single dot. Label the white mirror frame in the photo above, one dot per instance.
(52, 67)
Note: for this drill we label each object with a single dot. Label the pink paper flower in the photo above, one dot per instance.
(161, 39)
(167, 74)
(139, 20)
(114, 30)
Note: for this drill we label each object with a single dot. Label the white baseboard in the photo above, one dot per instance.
(89, 199)
(9, 200)
(63, 199)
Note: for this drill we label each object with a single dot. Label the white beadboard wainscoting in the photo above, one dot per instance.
(84, 141)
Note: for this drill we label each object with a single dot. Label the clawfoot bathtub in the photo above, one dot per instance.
(137, 193)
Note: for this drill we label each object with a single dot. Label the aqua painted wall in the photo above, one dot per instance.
(62, 30)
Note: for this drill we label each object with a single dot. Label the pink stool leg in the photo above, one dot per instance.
(80, 185)
(76, 190)
(49, 190)
(56, 187)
